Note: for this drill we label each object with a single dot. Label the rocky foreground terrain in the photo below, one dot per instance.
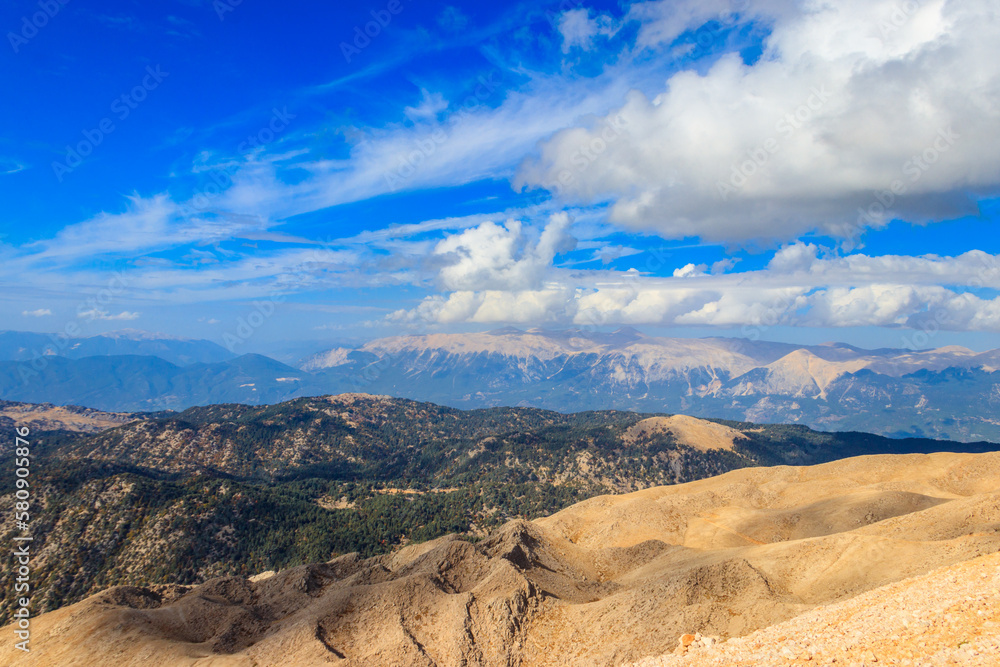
(950, 616)
(236, 490)
(784, 565)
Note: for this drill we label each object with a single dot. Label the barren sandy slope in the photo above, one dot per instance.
(690, 431)
(948, 617)
(47, 417)
(611, 580)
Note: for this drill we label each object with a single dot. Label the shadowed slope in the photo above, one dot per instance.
(607, 581)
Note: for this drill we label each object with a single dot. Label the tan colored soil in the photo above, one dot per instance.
(948, 617)
(610, 581)
(690, 431)
(52, 417)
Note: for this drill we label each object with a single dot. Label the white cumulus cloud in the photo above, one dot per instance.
(578, 29)
(493, 256)
(797, 288)
(431, 104)
(98, 314)
(857, 112)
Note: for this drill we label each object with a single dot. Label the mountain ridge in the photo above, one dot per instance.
(24, 346)
(890, 391)
(611, 580)
(897, 392)
(237, 489)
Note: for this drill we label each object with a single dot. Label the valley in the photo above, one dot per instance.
(234, 489)
(610, 580)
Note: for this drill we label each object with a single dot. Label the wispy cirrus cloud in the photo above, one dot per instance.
(147, 224)
(874, 101)
(579, 30)
(10, 166)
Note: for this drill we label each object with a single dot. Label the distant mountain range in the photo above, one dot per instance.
(949, 392)
(26, 346)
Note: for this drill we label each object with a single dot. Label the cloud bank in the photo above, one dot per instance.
(499, 278)
(857, 112)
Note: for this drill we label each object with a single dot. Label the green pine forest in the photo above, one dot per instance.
(179, 498)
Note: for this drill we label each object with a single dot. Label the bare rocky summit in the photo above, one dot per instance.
(785, 565)
(688, 431)
(48, 417)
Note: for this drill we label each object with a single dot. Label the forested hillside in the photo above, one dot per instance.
(242, 489)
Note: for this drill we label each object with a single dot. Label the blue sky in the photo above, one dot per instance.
(775, 169)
